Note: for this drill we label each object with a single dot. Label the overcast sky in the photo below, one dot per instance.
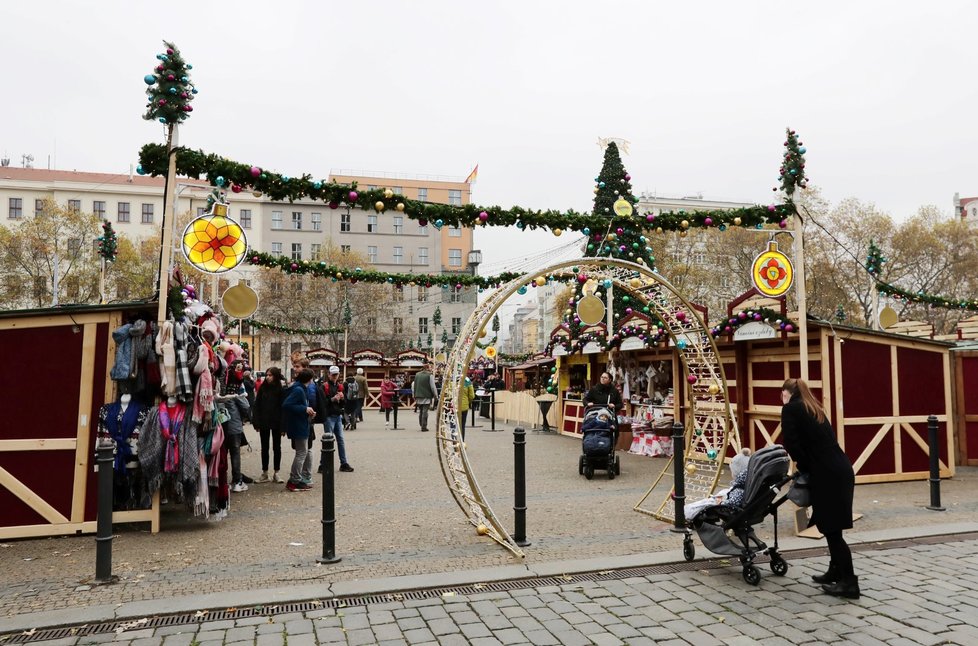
(882, 93)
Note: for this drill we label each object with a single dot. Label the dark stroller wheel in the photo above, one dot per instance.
(752, 575)
(611, 472)
(588, 471)
(617, 466)
(689, 550)
(778, 565)
(580, 466)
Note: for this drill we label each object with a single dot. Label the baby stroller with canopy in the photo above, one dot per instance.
(729, 529)
(600, 428)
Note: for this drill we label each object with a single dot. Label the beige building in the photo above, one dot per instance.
(391, 241)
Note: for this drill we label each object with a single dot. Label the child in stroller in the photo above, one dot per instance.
(600, 429)
(718, 525)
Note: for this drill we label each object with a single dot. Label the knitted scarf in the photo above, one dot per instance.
(151, 451)
(204, 399)
(170, 428)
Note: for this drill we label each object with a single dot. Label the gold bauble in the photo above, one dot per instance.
(684, 224)
(481, 530)
(540, 281)
(256, 193)
(635, 282)
(379, 206)
(737, 221)
(658, 229)
(557, 232)
(482, 334)
(339, 275)
(411, 284)
(400, 206)
(683, 234)
(690, 469)
(714, 388)
(595, 190)
(388, 193)
(612, 236)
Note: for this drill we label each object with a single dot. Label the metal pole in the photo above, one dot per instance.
(935, 465)
(519, 472)
(799, 244)
(679, 475)
(492, 408)
(103, 536)
(397, 404)
(329, 502)
(166, 249)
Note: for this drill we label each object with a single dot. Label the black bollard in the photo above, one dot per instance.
(679, 475)
(935, 465)
(492, 408)
(329, 501)
(103, 534)
(475, 408)
(519, 471)
(397, 404)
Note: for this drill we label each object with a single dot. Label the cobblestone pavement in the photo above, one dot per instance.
(396, 518)
(918, 594)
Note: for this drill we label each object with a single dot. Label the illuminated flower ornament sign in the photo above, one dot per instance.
(772, 272)
(214, 243)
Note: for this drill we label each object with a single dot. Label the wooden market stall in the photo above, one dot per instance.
(55, 380)
(375, 368)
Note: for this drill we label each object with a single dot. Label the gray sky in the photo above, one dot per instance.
(883, 94)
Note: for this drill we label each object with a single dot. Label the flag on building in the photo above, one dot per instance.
(473, 175)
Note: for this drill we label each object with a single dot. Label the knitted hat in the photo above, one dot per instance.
(334, 370)
(739, 462)
(359, 371)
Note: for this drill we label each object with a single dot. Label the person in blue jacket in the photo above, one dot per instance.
(296, 414)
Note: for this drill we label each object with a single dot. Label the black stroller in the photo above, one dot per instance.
(600, 428)
(718, 525)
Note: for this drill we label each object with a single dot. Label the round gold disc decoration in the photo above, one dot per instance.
(623, 207)
(240, 301)
(590, 310)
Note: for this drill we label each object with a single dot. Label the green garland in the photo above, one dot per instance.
(929, 299)
(322, 270)
(221, 171)
(317, 331)
(515, 358)
(170, 90)
(734, 321)
(483, 346)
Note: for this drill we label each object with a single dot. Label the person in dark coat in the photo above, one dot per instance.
(296, 414)
(809, 439)
(268, 420)
(604, 394)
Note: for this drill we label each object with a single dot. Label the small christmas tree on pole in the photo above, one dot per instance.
(108, 247)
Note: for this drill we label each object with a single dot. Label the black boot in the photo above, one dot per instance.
(831, 575)
(846, 587)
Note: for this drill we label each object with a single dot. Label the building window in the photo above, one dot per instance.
(296, 251)
(423, 230)
(344, 222)
(74, 205)
(295, 347)
(39, 207)
(16, 206)
(454, 257)
(398, 325)
(315, 250)
(397, 294)
(371, 254)
(317, 221)
(371, 224)
(276, 219)
(147, 214)
(201, 211)
(456, 295)
(74, 246)
(344, 248)
(123, 211)
(454, 232)
(371, 325)
(398, 255)
(422, 194)
(422, 294)
(275, 350)
(398, 190)
(398, 225)
(455, 197)
(297, 220)
(371, 187)
(456, 324)
(276, 248)
(423, 325)
(422, 255)
(245, 218)
(122, 291)
(98, 208)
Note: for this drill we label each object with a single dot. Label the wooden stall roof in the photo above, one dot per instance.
(67, 310)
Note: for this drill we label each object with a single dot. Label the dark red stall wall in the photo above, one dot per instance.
(40, 380)
(99, 377)
(922, 387)
(967, 405)
(866, 379)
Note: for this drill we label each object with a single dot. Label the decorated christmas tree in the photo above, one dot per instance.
(170, 90)
(108, 245)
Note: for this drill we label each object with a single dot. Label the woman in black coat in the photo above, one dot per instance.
(810, 441)
(268, 420)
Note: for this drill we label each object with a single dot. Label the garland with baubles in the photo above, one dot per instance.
(504, 357)
(323, 270)
(225, 173)
(750, 316)
(315, 331)
(170, 90)
(970, 304)
(108, 243)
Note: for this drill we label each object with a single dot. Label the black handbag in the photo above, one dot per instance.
(799, 493)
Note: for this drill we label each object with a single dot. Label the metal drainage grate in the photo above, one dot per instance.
(429, 593)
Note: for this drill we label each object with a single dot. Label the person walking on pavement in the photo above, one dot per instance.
(388, 391)
(465, 402)
(363, 392)
(267, 418)
(604, 394)
(350, 392)
(332, 391)
(296, 417)
(810, 441)
(425, 391)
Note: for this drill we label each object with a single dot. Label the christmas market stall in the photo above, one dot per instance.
(375, 368)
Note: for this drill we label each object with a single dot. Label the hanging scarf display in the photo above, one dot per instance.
(120, 426)
(170, 421)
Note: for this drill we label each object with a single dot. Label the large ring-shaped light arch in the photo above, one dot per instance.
(710, 426)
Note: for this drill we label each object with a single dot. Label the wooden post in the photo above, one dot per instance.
(168, 218)
(799, 245)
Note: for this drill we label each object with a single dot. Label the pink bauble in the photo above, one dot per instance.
(162, 101)
(582, 278)
(628, 178)
(619, 231)
(294, 266)
(334, 205)
(458, 285)
(170, 77)
(353, 196)
(422, 222)
(235, 188)
(628, 310)
(708, 222)
(159, 68)
(169, 51)
(254, 259)
(726, 328)
(757, 317)
(789, 327)
(691, 379)
(255, 171)
(770, 207)
(680, 315)
(783, 224)
(483, 216)
(650, 217)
